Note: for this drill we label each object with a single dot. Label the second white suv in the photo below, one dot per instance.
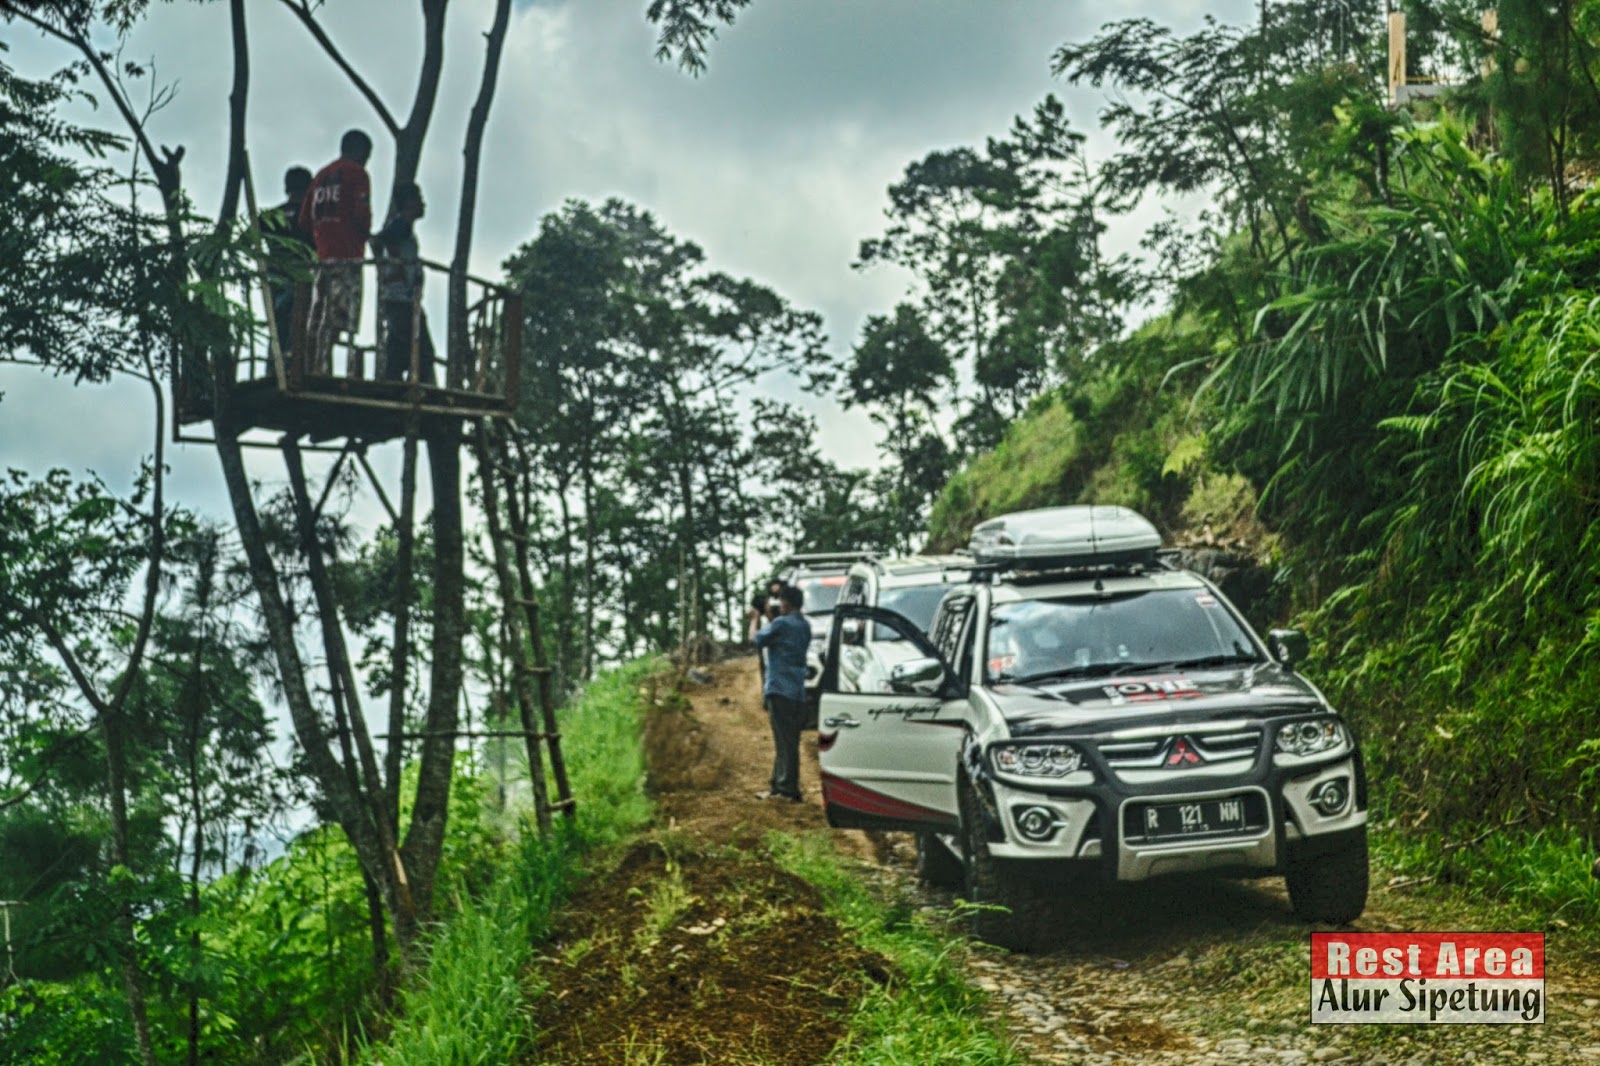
(912, 588)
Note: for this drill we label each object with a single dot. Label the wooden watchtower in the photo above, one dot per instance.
(333, 355)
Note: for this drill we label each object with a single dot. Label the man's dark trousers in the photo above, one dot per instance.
(788, 718)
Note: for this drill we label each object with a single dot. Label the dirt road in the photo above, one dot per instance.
(1184, 971)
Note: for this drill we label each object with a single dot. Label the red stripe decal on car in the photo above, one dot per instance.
(837, 790)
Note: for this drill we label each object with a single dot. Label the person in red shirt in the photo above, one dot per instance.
(338, 211)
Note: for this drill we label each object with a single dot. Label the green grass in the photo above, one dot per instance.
(1537, 879)
(468, 1005)
(928, 1013)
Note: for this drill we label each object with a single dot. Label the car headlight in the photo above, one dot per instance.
(1037, 760)
(1311, 736)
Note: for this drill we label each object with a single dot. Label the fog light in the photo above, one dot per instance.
(1331, 797)
(1035, 823)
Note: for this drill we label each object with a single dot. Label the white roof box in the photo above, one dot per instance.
(1081, 535)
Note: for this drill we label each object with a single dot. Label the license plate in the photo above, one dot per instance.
(1207, 817)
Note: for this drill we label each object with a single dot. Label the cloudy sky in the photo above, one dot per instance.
(775, 161)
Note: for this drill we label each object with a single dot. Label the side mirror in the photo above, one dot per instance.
(852, 631)
(1289, 646)
(917, 677)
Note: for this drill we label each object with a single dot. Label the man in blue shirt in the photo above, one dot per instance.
(785, 639)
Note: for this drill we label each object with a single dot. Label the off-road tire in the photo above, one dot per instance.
(937, 865)
(1330, 887)
(1021, 924)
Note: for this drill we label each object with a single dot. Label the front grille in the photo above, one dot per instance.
(1150, 752)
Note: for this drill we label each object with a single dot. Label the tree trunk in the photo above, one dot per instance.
(588, 564)
(410, 139)
(132, 973)
(380, 940)
(400, 652)
(567, 603)
(339, 792)
(424, 840)
(375, 803)
(425, 836)
(198, 848)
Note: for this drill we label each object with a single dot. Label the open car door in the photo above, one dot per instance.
(889, 757)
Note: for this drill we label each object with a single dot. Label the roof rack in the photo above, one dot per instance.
(827, 558)
(1020, 574)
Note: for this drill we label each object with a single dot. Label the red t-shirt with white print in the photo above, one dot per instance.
(338, 210)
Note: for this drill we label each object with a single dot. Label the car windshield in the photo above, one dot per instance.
(1114, 634)
(917, 604)
(821, 593)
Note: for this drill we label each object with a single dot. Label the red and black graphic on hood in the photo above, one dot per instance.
(1149, 690)
(1255, 688)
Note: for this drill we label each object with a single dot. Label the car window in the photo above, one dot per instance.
(918, 604)
(821, 592)
(876, 681)
(1106, 635)
(949, 629)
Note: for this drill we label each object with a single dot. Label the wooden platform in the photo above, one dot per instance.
(329, 408)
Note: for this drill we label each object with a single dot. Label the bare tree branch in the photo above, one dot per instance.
(158, 543)
(409, 141)
(301, 9)
(69, 659)
(236, 113)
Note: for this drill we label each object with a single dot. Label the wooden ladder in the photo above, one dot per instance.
(530, 671)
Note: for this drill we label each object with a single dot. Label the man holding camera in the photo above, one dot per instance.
(785, 640)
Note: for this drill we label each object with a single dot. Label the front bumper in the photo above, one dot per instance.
(1091, 827)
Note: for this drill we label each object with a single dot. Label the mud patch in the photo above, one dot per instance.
(684, 954)
(1137, 1036)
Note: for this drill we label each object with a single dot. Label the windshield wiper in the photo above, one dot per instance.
(1093, 670)
(1184, 664)
(1121, 669)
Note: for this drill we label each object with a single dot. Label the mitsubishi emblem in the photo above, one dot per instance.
(1182, 753)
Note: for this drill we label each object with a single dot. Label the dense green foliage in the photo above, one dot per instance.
(288, 965)
(1119, 432)
(1379, 342)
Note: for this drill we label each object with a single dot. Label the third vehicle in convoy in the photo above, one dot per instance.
(1082, 711)
(820, 577)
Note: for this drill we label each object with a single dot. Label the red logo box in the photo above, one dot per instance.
(1427, 978)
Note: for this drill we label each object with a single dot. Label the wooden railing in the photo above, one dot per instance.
(332, 338)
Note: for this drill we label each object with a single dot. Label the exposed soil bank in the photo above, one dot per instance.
(687, 955)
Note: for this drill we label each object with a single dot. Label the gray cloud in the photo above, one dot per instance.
(775, 161)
